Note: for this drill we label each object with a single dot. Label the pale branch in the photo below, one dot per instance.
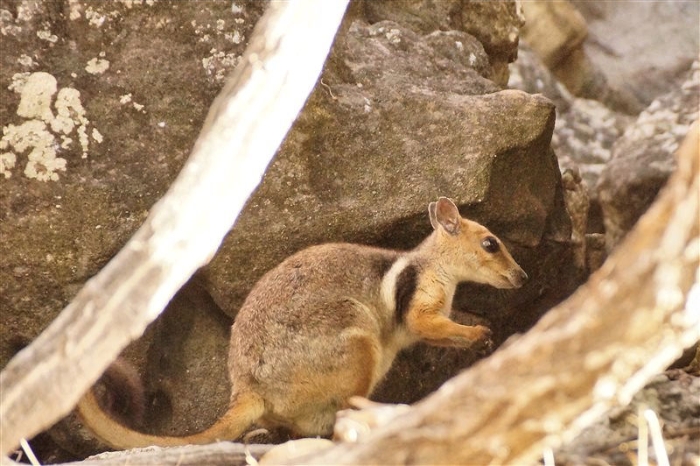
(592, 352)
(216, 454)
(244, 128)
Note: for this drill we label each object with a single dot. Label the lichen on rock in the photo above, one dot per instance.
(33, 136)
(38, 133)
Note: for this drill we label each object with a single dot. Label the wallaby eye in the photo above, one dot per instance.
(490, 244)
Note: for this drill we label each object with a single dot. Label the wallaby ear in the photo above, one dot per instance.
(445, 213)
(433, 215)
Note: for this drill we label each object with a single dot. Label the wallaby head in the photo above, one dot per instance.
(469, 251)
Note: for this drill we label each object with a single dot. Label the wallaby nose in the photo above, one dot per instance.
(518, 278)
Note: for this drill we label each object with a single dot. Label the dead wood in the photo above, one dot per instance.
(244, 128)
(592, 352)
(217, 454)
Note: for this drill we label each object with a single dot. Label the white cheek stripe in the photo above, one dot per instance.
(388, 288)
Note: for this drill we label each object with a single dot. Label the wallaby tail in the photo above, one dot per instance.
(245, 409)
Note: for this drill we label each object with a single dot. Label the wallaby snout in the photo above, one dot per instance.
(517, 277)
(508, 274)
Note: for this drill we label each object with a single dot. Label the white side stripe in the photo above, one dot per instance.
(388, 288)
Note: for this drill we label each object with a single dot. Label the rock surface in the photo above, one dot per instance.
(494, 24)
(584, 132)
(673, 397)
(642, 52)
(621, 56)
(553, 29)
(60, 231)
(146, 73)
(643, 158)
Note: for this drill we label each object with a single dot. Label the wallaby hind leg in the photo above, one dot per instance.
(366, 355)
(355, 377)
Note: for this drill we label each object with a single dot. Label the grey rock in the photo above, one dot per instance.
(583, 139)
(673, 397)
(494, 24)
(421, 16)
(643, 158)
(57, 234)
(529, 74)
(585, 130)
(641, 49)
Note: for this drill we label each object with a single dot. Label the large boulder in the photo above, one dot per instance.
(78, 180)
(399, 117)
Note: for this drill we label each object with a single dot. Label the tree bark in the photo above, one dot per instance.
(244, 128)
(594, 351)
(217, 454)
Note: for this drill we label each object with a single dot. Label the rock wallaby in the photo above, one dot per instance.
(327, 323)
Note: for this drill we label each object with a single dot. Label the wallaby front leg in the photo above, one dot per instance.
(438, 330)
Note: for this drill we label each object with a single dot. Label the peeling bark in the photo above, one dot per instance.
(217, 454)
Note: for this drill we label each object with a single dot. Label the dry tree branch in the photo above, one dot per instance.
(216, 454)
(595, 350)
(244, 128)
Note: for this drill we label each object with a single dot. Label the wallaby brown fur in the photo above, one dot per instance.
(327, 323)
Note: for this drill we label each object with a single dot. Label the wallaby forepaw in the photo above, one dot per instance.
(484, 345)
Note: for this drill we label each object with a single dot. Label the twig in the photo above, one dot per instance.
(657, 438)
(27, 449)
